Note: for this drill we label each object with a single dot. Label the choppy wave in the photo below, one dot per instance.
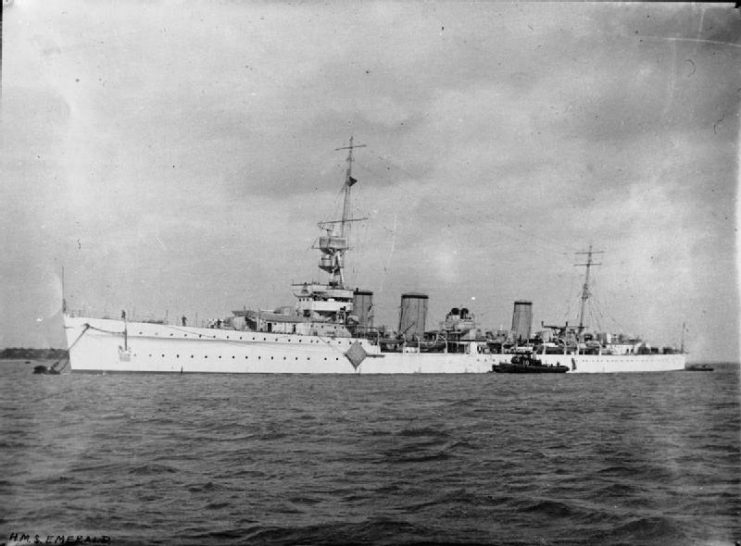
(605, 459)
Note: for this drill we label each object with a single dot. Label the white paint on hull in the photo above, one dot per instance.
(162, 348)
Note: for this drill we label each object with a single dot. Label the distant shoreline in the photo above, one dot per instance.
(25, 353)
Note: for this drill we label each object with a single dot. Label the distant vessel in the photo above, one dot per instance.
(330, 330)
(700, 368)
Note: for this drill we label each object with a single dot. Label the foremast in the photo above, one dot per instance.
(334, 243)
(332, 303)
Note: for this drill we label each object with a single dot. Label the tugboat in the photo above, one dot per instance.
(527, 363)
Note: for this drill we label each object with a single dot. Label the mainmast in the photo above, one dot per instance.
(585, 289)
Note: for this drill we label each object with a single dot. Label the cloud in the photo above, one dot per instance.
(179, 155)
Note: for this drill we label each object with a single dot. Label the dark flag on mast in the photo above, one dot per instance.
(351, 181)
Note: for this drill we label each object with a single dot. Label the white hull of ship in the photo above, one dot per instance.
(99, 345)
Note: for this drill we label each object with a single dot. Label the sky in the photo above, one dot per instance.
(174, 158)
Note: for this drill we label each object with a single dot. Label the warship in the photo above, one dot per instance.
(330, 330)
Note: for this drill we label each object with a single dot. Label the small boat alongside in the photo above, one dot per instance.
(41, 369)
(54, 369)
(527, 363)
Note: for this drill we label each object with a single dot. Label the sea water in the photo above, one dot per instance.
(647, 458)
